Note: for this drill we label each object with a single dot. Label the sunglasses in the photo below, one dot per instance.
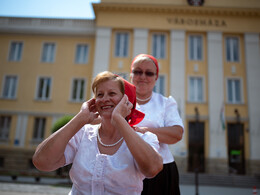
(140, 73)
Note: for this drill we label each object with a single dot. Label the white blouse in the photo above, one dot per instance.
(160, 111)
(101, 174)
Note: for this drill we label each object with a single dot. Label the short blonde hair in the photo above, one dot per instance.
(141, 58)
(107, 76)
(145, 58)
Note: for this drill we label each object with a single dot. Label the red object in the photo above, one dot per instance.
(135, 116)
(152, 58)
(254, 190)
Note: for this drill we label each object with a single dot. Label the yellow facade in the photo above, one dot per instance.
(28, 69)
(226, 18)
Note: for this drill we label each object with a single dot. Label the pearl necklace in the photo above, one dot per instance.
(144, 100)
(108, 145)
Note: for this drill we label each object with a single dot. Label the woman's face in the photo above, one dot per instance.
(144, 77)
(108, 95)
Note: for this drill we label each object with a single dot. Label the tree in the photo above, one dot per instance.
(56, 126)
(61, 122)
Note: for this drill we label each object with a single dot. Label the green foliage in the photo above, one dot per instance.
(60, 123)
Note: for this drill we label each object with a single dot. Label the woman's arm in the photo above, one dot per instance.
(171, 133)
(167, 135)
(149, 161)
(49, 154)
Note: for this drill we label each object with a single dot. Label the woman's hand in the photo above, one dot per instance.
(88, 111)
(167, 135)
(49, 154)
(142, 130)
(123, 109)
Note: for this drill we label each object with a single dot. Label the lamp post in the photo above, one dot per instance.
(197, 181)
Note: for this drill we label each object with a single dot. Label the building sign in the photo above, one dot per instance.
(208, 22)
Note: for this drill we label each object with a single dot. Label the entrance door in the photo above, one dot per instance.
(236, 151)
(196, 159)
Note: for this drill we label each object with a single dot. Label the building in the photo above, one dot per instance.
(208, 52)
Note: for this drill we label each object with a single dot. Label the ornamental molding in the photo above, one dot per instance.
(213, 11)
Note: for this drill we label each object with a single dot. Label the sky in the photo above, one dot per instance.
(72, 9)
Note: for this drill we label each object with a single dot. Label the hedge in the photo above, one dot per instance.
(61, 122)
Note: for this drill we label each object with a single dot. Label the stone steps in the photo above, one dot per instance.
(221, 180)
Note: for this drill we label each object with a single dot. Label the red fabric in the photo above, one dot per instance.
(152, 58)
(135, 116)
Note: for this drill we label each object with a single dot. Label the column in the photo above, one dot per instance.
(253, 88)
(216, 95)
(20, 132)
(102, 50)
(177, 82)
(140, 41)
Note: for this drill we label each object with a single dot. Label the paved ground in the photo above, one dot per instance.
(27, 186)
(31, 189)
(37, 189)
(213, 190)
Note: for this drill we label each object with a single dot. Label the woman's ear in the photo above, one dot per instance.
(131, 76)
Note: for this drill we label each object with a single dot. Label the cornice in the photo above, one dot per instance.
(173, 9)
(47, 26)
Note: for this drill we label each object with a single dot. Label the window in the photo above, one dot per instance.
(234, 91)
(195, 89)
(39, 128)
(15, 53)
(43, 88)
(48, 52)
(81, 56)
(160, 85)
(159, 46)
(78, 90)
(123, 75)
(5, 122)
(195, 47)
(10, 87)
(232, 49)
(121, 44)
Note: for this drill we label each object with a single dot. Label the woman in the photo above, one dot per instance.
(161, 118)
(110, 158)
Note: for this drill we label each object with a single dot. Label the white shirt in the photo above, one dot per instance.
(101, 174)
(160, 111)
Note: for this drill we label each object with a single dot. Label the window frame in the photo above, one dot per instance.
(49, 59)
(17, 56)
(119, 52)
(6, 127)
(77, 99)
(160, 85)
(12, 90)
(164, 47)
(44, 88)
(232, 54)
(195, 49)
(124, 75)
(78, 57)
(234, 92)
(39, 131)
(196, 89)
